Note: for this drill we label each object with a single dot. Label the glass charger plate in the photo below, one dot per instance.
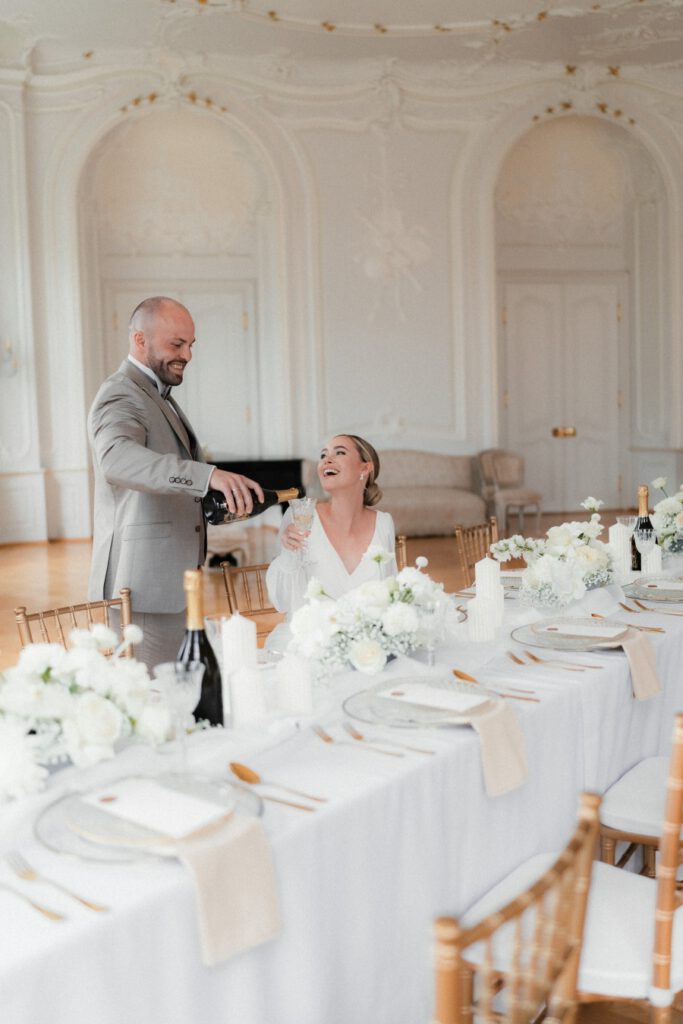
(532, 635)
(62, 826)
(369, 707)
(654, 588)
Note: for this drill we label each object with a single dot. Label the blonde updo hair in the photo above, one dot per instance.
(372, 495)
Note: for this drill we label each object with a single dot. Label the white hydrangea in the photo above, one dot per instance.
(20, 772)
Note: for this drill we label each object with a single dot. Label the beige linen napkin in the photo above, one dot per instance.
(235, 883)
(643, 664)
(503, 750)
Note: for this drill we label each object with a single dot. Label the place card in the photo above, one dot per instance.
(165, 811)
(597, 631)
(431, 697)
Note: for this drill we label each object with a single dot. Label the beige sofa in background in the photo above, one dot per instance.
(427, 494)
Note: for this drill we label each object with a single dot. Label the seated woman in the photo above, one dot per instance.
(335, 551)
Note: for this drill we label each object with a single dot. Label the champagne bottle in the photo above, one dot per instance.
(197, 647)
(217, 512)
(643, 522)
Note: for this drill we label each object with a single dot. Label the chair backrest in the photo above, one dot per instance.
(246, 591)
(532, 944)
(55, 624)
(668, 863)
(472, 543)
(508, 469)
(401, 551)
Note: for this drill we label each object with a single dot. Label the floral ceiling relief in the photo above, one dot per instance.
(392, 250)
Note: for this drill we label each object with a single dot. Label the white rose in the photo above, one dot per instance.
(400, 618)
(668, 507)
(559, 538)
(91, 732)
(367, 656)
(592, 504)
(373, 597)
(26, 695)
(105, 638)
(659, 484)
(154, 722)
(36, 659)
(587, 556)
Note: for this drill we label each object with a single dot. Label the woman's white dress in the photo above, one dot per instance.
(289, 573)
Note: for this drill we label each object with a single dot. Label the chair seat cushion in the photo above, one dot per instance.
(431, 511)
(635, 803)
(518, 497)
(618, 940)
(616, 959)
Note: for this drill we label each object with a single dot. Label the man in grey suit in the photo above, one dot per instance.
(150, 479)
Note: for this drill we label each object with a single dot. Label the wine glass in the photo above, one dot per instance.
(628, 521)
(181, 684)
(302, 517)
(431, 626)
(645, 539)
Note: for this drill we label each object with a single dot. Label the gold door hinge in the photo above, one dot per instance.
(506, 398)
(504, 316)
(245, 320)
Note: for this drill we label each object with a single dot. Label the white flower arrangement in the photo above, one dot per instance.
(74, 703)
(565, 564)
(376, 620)
(667, 518)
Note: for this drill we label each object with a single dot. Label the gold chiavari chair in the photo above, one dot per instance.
(245, 589)
(519, 962)
(472, 543)
(401, 551)
(55, 624)
(633, 941)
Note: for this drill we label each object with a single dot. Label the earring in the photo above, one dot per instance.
(362, 477)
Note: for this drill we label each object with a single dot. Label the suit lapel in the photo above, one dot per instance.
(178, 423)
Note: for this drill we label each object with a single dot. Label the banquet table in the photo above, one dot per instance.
(401, 841)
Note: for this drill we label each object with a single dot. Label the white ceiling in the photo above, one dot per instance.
(58, 35)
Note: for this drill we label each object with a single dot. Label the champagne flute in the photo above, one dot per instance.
(302, 517)
(181, 684)
(645, 539)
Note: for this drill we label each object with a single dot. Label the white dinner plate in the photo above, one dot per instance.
(657, 588)
(557, 634)
(375, 706)
(72, 825)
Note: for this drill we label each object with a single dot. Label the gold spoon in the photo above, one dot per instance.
(511, 693)
(248, 775)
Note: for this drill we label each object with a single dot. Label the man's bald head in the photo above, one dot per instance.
(161, 333)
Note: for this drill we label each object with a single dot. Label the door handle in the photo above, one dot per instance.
(564, 431)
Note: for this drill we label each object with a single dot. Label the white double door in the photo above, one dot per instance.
(220, 392)
(562, 394)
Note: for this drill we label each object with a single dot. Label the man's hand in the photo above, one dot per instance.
(236, 489)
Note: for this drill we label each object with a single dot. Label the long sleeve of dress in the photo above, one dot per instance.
(287, 577)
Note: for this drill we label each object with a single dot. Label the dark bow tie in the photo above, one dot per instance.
(165, 391)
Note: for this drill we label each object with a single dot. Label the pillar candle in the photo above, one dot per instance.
(481, 619)
(247, 696)
(620, 543)
(486, 576)
(295, 685)
(238, 636)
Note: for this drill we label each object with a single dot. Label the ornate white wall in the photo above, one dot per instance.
(375, 243)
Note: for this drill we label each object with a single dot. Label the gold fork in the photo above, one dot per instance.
(658, 611)
(643, 629)
(45, 911)
(352, 731)
(21, 867)
(326, 738)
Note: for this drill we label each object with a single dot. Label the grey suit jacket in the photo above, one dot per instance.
(149, 481)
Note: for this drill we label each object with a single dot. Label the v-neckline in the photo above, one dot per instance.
(339, 557)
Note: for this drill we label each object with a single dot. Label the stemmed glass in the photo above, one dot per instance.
(181, 684)
(431, 626)
(645, 539)
(302, 517)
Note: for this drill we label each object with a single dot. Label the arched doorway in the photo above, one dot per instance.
(579, 254)
(178, 202)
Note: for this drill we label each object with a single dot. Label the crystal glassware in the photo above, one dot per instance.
(302, 517)
(181, 685)
(645, 540)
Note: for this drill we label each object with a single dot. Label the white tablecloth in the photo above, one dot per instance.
(360, 880)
